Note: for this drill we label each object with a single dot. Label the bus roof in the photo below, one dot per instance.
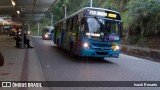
(50, 27)
(83, 9)
(101, 9)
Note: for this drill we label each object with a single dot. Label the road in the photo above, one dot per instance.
(58, 65)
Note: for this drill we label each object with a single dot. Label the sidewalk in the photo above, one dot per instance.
(19, 64)
(4, 37)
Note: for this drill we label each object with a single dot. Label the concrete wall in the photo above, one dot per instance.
(152, 54)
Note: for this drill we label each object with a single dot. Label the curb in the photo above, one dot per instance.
(145, 53)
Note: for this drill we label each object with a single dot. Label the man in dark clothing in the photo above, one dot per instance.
(1, 59)
(18, 39)
(26, 41)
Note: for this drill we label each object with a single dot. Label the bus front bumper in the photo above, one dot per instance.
(93, 53)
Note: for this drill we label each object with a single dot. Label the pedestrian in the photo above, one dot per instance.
(1, 59)
(18, 40)
(26, 41)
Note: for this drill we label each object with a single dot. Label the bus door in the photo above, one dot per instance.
(60, 35)
(78, 39)
(75, 33)
(80, 29)
(64, 36)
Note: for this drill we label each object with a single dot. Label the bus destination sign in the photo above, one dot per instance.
(107, 14)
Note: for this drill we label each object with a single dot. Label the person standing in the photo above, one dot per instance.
(1, 59)
(26, 41)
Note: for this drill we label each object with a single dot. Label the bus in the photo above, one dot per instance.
(47, 32)
(90, 32)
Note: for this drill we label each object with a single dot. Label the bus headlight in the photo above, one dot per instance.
(46, 35)
(115, 47)
(85, 45)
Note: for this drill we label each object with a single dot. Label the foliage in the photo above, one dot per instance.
(145, 20)
(141, 18)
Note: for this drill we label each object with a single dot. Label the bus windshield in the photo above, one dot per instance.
(102, 29)
(47, 31)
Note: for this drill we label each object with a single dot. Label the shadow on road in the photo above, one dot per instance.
(79, 59)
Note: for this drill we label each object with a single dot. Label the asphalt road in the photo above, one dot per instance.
(58, 65)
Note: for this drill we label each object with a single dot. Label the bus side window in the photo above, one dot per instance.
(67, 25)
(79, 26)
(55, 28)
(64, 25)
(59, 28)
(55, 33)
(75, 23)
(84, 25)
(70, 24)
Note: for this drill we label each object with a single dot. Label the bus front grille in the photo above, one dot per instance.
(101, 53)
(102, 49)
(101, 45)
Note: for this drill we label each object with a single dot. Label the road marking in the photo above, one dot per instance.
(24, 73)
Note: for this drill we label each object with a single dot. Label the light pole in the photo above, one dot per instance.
(65, 11)
(38, 28)
(51, 19)
(91, 3)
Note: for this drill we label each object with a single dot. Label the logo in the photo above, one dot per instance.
(6, 84)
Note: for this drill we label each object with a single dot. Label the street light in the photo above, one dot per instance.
(13, 2)
(65, 11)
(18, 12)
(51, 19)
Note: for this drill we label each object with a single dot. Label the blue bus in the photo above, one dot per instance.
(90, 32)
(47, 32)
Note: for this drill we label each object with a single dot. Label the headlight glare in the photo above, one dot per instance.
(86, 45)
(46, 35)
(115, 47)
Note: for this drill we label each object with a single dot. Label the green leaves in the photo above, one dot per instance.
(141, 18)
